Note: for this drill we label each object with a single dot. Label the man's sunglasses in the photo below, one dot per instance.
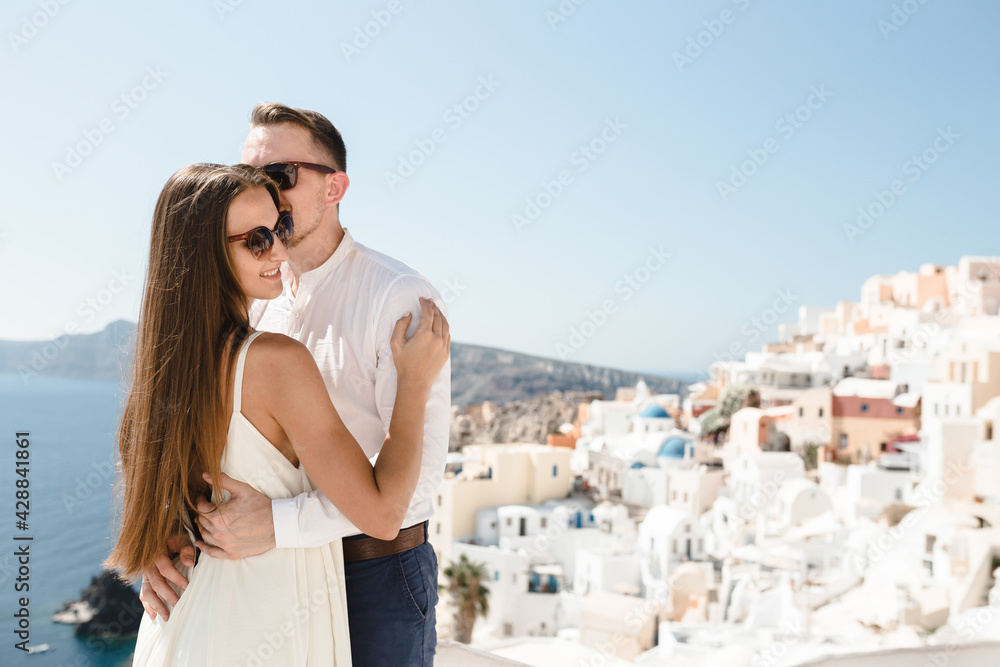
(286, 174)
(261, 239)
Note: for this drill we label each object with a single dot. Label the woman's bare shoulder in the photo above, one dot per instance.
(276, 342)
(283, 369)
(279, 350)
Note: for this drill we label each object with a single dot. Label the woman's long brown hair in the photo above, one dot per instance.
(173, 426)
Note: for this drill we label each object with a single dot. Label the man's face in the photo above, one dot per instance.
(290, 143)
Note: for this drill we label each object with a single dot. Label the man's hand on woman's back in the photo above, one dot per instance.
(156, 592)
(241, 527)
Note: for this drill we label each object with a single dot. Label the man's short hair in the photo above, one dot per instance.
(326, 136)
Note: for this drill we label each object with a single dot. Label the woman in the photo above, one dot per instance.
(210, 396)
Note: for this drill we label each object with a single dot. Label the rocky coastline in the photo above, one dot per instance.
(107, 609)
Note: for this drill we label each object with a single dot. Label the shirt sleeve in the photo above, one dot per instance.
(308, 520)
(311, 519)
(403, 297)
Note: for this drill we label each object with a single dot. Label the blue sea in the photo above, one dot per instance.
(72, 425)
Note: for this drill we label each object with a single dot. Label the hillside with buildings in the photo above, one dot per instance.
(830, 499)
(487, 374)
(530, 420)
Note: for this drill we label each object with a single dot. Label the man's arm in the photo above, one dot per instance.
(310, 519)
(437, 419)
(250, 523)
(292, 522)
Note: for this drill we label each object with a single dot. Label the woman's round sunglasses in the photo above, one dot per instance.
(261, 239)
(286, 174)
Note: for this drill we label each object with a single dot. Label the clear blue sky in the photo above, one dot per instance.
(678, 129)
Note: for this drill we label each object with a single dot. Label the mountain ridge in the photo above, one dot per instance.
(479, 373)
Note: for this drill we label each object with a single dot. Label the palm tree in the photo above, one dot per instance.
(470, 596)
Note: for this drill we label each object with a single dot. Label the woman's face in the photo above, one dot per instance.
(260, 278)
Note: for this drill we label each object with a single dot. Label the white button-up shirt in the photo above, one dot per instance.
(344, 311)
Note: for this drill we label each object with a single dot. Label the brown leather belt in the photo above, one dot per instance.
(363, 547)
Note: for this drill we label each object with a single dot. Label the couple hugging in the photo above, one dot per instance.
(275, 356)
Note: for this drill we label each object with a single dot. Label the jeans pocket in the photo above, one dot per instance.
(414, 584)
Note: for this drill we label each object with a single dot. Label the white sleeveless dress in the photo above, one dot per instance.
(285, 607)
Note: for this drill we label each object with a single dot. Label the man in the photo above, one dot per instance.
(341, 300)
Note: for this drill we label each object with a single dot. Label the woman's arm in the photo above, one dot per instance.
(375, 500)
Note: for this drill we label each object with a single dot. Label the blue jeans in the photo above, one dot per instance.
(390, 606)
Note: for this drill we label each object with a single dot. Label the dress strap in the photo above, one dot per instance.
(240, 363)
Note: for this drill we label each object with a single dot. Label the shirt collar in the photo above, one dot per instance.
(338, 256)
